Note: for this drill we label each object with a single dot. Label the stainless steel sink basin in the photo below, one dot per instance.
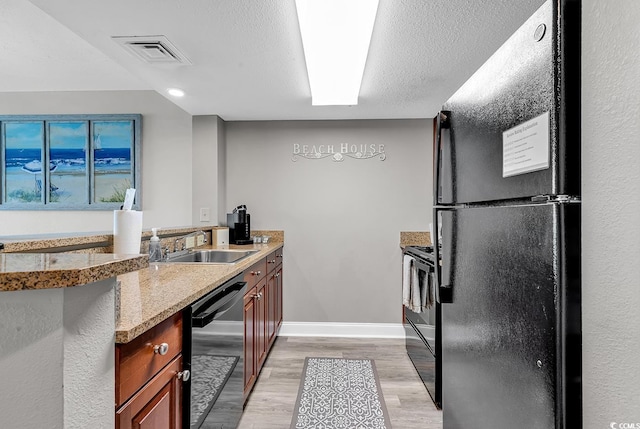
(212, 256)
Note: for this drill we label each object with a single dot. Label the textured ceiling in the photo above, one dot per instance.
(248, 62)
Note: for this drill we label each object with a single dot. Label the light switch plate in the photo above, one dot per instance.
(205, 214)
(190, 242)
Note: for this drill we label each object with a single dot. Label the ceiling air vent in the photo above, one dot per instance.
(152, 49)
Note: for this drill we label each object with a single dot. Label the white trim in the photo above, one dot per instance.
(362, 330)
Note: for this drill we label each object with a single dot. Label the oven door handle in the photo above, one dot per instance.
(206, 314)
(426, 267)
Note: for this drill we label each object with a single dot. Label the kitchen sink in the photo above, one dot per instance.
(211, 256)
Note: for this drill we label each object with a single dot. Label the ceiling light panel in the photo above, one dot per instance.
(336, 35)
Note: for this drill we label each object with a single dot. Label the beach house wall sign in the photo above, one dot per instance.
(69, 162)
(338, 152)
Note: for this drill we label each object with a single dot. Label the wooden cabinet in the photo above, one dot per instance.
(255, 339)
(255, 273)
(278, 308)
(148, 378)
(272, 305)
(158, 404)
(262, 314)
(261, 323)
(250, 367)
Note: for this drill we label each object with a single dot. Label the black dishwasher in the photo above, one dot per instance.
(213, 351)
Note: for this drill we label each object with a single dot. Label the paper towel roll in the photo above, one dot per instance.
(127, 231)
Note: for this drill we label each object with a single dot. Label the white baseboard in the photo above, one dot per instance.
(358, 330)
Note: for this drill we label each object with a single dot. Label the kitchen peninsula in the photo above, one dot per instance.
(56, 338)
(59, 322)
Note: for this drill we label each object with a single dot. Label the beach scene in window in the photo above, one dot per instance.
(23, 162)
(69, 142)
(68, 167)
(113, 147)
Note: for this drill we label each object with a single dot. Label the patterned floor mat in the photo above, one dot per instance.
(209, 373)
(340, 394)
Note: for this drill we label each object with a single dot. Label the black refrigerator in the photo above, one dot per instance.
(507, 203)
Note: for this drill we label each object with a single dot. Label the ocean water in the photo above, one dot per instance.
(72, 160)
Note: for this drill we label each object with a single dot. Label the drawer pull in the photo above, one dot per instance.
(184, 375)
(277, 274)
(161, 349)
(256, 273)
(258, 296)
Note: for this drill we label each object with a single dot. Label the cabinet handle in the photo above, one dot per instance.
(161, 349)
(256, 273)
(277, 274)
(258, 296)
(184, 375)
(273, 261)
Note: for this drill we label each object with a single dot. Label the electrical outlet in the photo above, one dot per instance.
(204, 214)
(199, 240)
(190, 242)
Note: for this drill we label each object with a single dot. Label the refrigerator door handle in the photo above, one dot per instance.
(442, 121)
(444, 283)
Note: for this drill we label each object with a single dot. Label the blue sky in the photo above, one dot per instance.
(68, 135)
(27, 135)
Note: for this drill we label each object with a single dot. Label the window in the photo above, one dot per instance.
(90, 161)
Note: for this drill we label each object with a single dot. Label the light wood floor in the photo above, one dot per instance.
(270, 405)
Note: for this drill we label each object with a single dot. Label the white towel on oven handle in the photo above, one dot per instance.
(408, 266)
(418, 290)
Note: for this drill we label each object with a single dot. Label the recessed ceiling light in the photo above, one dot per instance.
(336, 35)
(175, 92)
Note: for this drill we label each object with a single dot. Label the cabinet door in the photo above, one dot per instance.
(261, 322)
(249, 340)
(278, 292)
(272, 303)
(158, 405)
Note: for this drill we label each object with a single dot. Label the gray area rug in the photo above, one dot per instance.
(210, 372)
(340, 394)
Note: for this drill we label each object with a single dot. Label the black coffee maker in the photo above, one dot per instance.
(239, 223)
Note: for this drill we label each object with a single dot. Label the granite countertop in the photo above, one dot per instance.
(44, 242)
(151, 295)
(60, 270)
(414, 238)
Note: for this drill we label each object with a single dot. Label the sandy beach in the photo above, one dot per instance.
(71, 186)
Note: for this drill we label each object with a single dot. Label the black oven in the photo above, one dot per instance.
(423, 329)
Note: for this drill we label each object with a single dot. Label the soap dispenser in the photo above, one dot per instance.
(155, 251)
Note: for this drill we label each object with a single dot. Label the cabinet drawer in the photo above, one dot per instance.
(255, 273)
(272, 261)
(279, 255)
(141, 359)
(158, 404)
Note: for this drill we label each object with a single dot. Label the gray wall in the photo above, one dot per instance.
(204, 164)
(222, 172)
(209, 169)
(166, 159)
(342, 220)
(611, 212)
